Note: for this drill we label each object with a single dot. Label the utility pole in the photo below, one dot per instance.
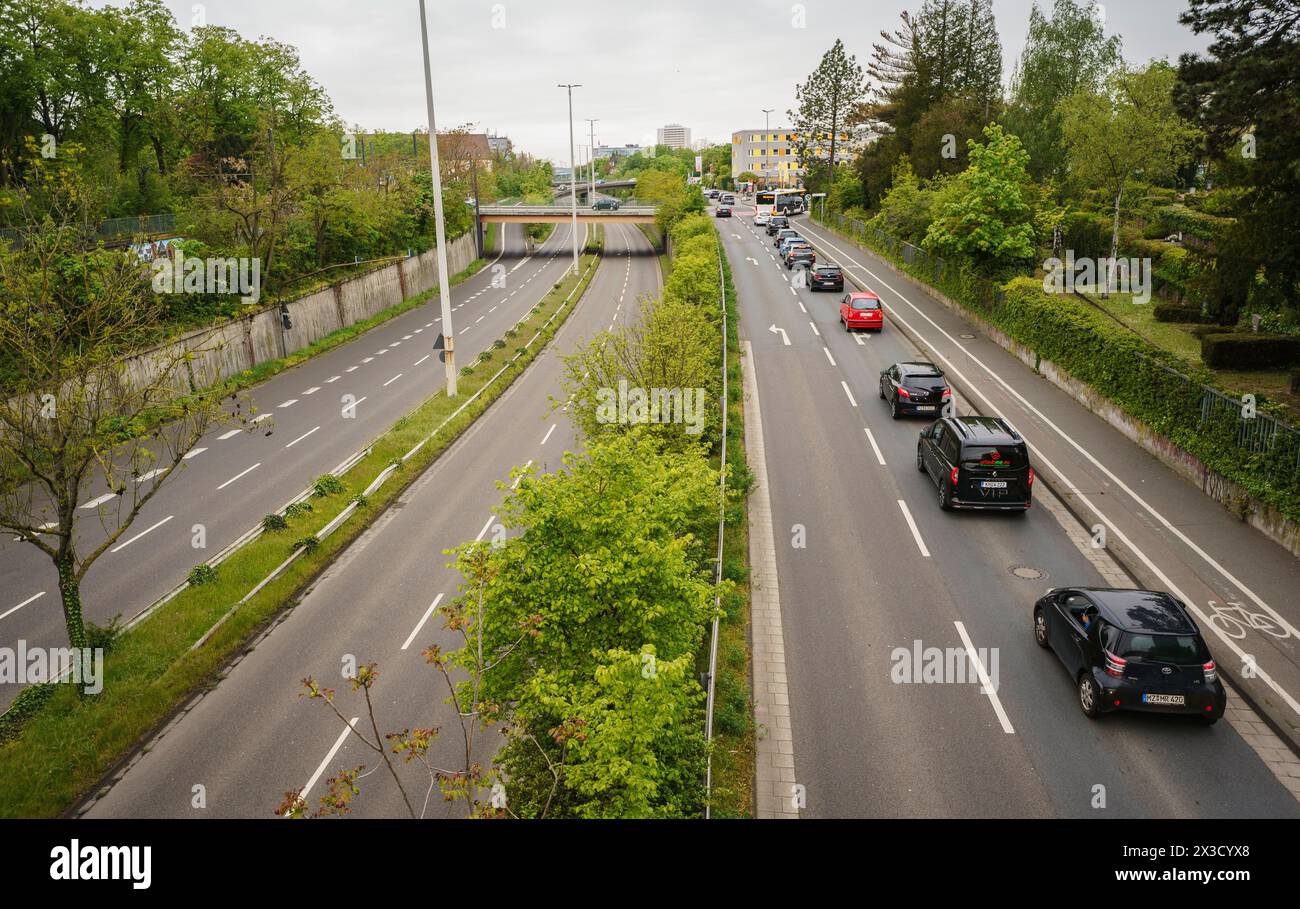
(573, 171)
(767, 127)
(592, 124)
(440, 232)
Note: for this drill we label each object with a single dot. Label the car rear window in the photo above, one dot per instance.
(927, 382)
(1163, 648)
(823, 270)
(1006, 457)
(865, 303)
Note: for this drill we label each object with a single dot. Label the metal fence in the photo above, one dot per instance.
(114, 229)
(1270, 446)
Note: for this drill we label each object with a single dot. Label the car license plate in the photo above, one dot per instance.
(928, 409)
(994, 484)
(1176, 700)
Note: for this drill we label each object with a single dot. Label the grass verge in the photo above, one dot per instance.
(733, 711)
(67, 745)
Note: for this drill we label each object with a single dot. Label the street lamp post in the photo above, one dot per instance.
(767, 126)
(440, 232)
(592, 123)
(573, 172)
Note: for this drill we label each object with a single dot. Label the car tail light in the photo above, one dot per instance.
(1031, 476)
(947, 392)
(1211, 671)
(904, 393)
(1114, 664)
(954, 476)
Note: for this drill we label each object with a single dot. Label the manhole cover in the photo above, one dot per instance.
(968, 337)
(1026, 573)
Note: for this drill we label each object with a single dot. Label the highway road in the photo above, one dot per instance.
(233, 478)
(251, 738)
(885, 568)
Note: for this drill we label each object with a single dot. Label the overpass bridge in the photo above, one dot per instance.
(561, 214)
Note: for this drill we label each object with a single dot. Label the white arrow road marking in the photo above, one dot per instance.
(781, 331)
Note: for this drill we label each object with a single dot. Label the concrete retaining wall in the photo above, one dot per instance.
(223, 351)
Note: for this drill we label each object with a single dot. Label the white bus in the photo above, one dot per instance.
(780, 201)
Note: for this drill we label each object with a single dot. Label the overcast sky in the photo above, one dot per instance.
(712, 65)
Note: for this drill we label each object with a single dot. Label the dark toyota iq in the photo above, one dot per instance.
(1130, 650)
(978, 462)
(914, 388)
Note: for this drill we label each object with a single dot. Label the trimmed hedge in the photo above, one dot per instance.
(1181, 219)
(1247, 350)
(1170, 312)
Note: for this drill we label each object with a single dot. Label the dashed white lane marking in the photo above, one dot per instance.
(986, 685)
(311, 391)
(392, 380)
(366, 360)
(260, 417)
(238, 475)
(814, 328)
(121, 546)
(300, 438)
(547, 437)
(333, 379)
(916, 531)
(22, 604)
(424, 618)
(193, 453)
(407, 337)
(338, 743)
(422, 359)
(144, 478)
(95, 503)
(288, 403)
(482, 533)
(418, 330)
(874, 447)
(845, 386)
(515, 484)
(395, 344)
(801, 306)
(229, 435)
(826, 350)
(480, 318)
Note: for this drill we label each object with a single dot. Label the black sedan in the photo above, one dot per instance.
(1130, 650)
(722, 211)
(826, 277)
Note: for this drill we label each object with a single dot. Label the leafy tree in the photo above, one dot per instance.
(75, 414)
(1245, 97)
(986, 213)
(908, 209)
(1129, 130)
(1064, 54)
(825, 99)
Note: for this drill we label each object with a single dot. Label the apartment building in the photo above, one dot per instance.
(773, 154)
(674, 135)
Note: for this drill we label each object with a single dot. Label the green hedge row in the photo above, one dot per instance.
(1247, 350)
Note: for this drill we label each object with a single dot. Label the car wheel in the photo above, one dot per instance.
(920, 462)
(1040, 629)
(944, 503)
(1089, 696)
(893, 408)
(881, 389)
(1208, 720)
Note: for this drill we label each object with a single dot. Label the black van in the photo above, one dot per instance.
(978, 462)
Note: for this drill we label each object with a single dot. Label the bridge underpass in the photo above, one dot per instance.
(560, 214)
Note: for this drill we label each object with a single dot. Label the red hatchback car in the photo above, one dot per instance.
(861, 309)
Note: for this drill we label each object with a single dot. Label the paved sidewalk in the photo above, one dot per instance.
(776, 793)
(1240, 585)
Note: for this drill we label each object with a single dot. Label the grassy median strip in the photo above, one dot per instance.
(71, 742)
(733, 715)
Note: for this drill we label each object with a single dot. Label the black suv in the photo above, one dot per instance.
(777, 222)
(978, 462)
(826, 277)
(914, 388)
(1130, 650)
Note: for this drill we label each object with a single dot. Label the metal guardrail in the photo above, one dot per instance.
(1272, 444)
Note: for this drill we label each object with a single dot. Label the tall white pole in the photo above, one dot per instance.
(440, 232)
(573, 175)
(592, 124)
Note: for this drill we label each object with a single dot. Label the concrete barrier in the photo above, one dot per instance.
(221, 351)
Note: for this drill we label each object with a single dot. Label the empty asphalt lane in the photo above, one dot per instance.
(252, 738)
